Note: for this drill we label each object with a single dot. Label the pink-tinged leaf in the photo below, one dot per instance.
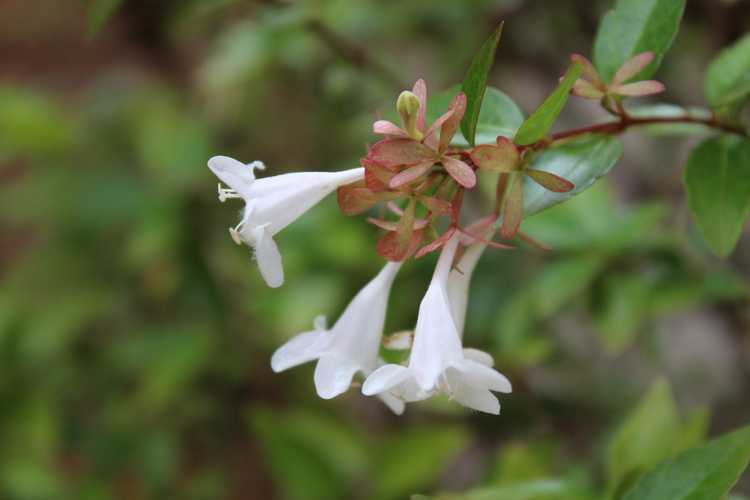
(393, 226)
(449, 128)
(389, 247)
(500, 189)
(386, 225)
(410, 174)
(503, 157)
(550, 181)
(534, 242)
(583, 88)
(513, 210)
(632, 67)
(588, 70)
(428, 136)
(436, 205)
(646, 87)
(456, 206)
(437, 243)
(395, 208)
(460, 171)
(479, 228)
(471, 238)
(384, 127)
(420, 90)
(406, 225)
(377, 177)
(355, 198)
(396, 152)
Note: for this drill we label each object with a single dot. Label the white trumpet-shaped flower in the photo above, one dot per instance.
(350, 346)
(438, 362)
(271, 204)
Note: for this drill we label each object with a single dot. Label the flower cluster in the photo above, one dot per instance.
(421, 179)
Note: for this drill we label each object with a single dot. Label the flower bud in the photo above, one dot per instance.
(408, 107)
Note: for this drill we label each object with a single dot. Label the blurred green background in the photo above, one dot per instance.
(135, 336)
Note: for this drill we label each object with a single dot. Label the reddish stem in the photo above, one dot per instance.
(625, 122)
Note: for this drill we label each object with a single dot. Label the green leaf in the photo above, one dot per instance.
(705, 473)
(99, 12)
(499, 115)
(414, 458)
(727, 82)
(633, 27)
(581, 161)
(540, 489)
(717, 181)
(562, 280)
(644, 439)
(624, 308)
(475, 83)
(538, 124)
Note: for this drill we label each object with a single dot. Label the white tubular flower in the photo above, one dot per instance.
(349, 347)
(438, 363)
(271, 204)
(458, 284)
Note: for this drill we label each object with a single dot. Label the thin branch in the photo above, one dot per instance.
(355, 54)
(626, 121)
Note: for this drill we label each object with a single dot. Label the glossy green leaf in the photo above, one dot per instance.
(633, 27)
(727, 82)
(475, 83)
(581, 161)
(499, 115)
(644, 439)
(99, 12)
(704, 473)
(538, 124)
(717, 181)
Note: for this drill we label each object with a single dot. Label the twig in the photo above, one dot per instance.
(355, 54)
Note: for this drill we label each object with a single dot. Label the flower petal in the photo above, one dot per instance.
(646, 87)
(333, 375)
(460, 171)
(477, 374)
(300, 349)
(233, 173)
(479, 356)
(476, 399)
(632, 67)
(410, 174)
(395, 404)
(553, 182)
(268, 257)
(384, 379)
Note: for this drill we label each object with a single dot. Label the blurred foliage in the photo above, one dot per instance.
(135, 336)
